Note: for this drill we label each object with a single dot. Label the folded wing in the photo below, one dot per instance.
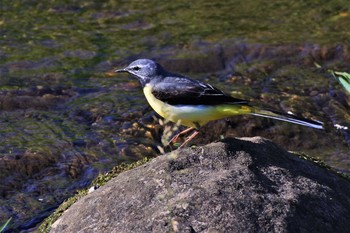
(185, 91)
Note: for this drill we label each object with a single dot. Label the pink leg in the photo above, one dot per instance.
(189, 138)
(179, 134)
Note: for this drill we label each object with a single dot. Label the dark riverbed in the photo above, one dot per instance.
(65, 118)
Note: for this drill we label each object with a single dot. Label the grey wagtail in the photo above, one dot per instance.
(193, 103)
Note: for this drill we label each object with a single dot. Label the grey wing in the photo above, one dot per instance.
(185, 91)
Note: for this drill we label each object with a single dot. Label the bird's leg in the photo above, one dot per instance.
(179, 134)
(189, 138)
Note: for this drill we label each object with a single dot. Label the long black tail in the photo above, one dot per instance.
(288, 117)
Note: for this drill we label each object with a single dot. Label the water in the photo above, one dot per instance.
(65, 118)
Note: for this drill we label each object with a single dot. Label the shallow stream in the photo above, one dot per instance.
(65, 117)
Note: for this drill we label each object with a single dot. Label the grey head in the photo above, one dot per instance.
(144, 69)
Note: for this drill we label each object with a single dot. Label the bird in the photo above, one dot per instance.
(193, 103)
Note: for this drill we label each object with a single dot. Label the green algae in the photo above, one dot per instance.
(35, 130)
(53, 28)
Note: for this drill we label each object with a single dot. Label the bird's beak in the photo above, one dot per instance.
(120, 70)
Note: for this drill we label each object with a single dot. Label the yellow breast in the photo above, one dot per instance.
(160, 107)
(178, 114)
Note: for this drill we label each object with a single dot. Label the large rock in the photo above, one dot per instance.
(239, 185)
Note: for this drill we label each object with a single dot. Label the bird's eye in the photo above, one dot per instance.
(136, 68)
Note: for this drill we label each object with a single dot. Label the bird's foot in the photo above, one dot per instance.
(179, 134)
(194, 134)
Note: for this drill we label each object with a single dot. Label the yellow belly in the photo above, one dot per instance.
(193, 115)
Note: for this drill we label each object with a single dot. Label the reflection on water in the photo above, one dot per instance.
(63, 118)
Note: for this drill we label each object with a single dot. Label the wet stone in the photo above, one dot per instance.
(46, 63)
(34, 99)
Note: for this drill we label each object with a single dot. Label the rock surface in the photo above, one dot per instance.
(238, 185)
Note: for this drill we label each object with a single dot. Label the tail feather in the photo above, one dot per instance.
(288, 117)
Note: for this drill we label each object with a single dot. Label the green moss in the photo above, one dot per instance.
(46, 225)
(99, 181)
(104, 178)
(320, 163)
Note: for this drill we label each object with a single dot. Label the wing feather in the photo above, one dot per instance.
(185, 91)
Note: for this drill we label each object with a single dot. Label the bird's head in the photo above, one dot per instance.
(144, 69)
